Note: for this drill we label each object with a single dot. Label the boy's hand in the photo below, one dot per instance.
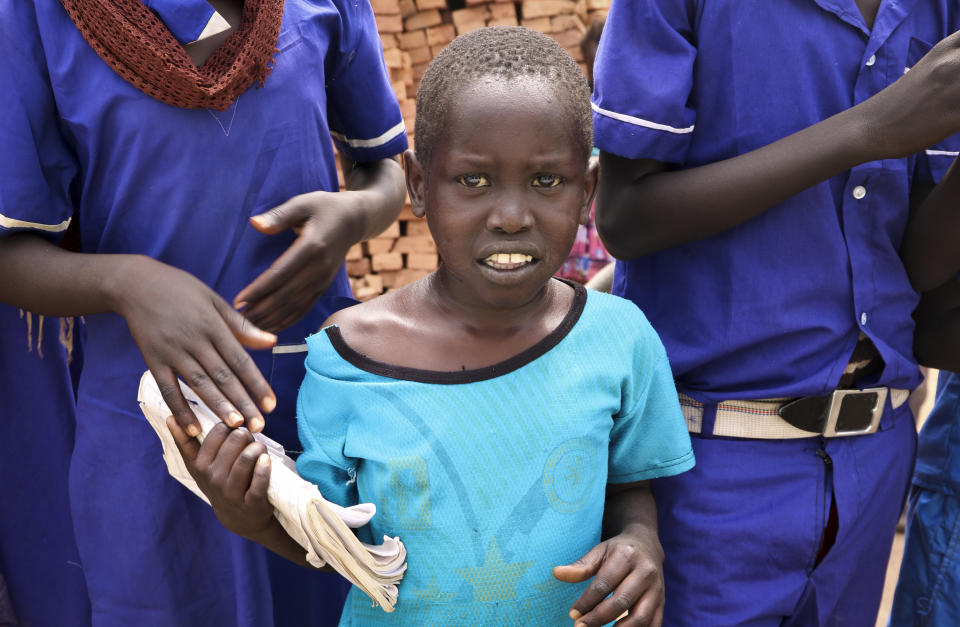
(325, 224)
(233, 470)
(627, 573)
(920, 108)
(183, 328)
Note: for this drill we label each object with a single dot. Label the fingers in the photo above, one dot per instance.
(188, 446)
(289, 215)
(583, 568)
(303, 266)
(257, 493)
(627, 580)
(291, 300)
(172, 395)
(241, 472)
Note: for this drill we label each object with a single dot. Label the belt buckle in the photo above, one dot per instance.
(854, 401)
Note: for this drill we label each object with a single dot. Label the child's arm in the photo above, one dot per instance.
(642, 208)
(233, 470)
(937, 334)
(627, 568)
(929, 250)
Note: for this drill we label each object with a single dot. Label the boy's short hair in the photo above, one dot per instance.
(505, 52)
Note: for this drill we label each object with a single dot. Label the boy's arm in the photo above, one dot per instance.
(233, 470)
(327, 225)
(643, 208)
(937, 333)
(627, 567)
(929, 251)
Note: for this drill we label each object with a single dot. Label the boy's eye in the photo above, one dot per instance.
(546, 180)
(473, 180)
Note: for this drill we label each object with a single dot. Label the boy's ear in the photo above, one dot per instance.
(589, 189)
(415, 180)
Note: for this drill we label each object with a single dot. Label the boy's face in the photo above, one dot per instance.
(507, 186)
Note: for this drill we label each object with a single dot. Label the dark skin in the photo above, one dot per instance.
(197, 335)
(505, 177)
(644, 208)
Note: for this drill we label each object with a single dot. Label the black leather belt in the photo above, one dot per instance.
(842, 413)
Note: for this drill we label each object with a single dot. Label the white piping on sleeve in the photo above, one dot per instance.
(371, 143)
(13, 223)
(629, 119)
(943, 153)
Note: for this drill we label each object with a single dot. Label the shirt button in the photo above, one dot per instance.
(859, 192)
(863, 319)
(872, 59)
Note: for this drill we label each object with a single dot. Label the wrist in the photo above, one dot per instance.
(118, 273)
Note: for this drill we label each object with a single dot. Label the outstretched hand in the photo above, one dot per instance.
(184, 329)
(325, 224)
(627, 582)
(233, 470)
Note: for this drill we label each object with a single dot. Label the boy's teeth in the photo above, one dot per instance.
(509, 258)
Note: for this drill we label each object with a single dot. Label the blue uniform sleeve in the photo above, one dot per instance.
(643, 77)
(323, 423)
(362, 109)
(37, 166)
(649, 437)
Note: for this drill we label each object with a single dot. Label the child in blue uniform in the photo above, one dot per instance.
(508, 449)
(757, 165)
(189, 211)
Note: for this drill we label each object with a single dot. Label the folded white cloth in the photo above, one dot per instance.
(322, 528)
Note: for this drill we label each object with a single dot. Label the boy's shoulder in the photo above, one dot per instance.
(617, 312)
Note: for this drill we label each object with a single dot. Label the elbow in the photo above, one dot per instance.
(621, 237)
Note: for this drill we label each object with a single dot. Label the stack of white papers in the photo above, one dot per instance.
(322, 528)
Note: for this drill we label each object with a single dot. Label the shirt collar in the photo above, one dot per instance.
(188, 20)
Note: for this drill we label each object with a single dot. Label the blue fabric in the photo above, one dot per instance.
(926, 591)
(938, 450)
(491, 483)
(742, 529)
(38, 554)
(185, 19)
(771, 308)
(178, 185)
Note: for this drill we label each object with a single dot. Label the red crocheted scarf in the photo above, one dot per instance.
(139, 47)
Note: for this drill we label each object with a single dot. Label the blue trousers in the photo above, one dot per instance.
(742, 530)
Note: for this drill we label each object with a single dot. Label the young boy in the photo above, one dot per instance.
(758, 160)
(473, 407)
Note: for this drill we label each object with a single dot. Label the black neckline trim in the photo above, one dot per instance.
(443, 377)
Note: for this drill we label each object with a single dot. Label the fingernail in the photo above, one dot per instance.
(263, 460)
(256, 425)
(268, 403)
(193, 430)
(259, 220)
(234, 419)
(268, 336)
(574, 614)
(240, 305)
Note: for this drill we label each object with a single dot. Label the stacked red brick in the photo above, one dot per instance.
(413, 32)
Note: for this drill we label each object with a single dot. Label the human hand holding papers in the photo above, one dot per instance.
(322, 528)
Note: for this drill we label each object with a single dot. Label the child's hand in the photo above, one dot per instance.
(627, 573)
(919, 109)
(233, 470)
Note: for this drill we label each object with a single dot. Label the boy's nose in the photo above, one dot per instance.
(509, 216)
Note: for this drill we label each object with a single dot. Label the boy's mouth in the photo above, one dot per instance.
(507, 261)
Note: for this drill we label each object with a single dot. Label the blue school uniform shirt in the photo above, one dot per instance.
(491, 477)
(177, 185)
(773, 307)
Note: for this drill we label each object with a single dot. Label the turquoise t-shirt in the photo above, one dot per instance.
(492, 476)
